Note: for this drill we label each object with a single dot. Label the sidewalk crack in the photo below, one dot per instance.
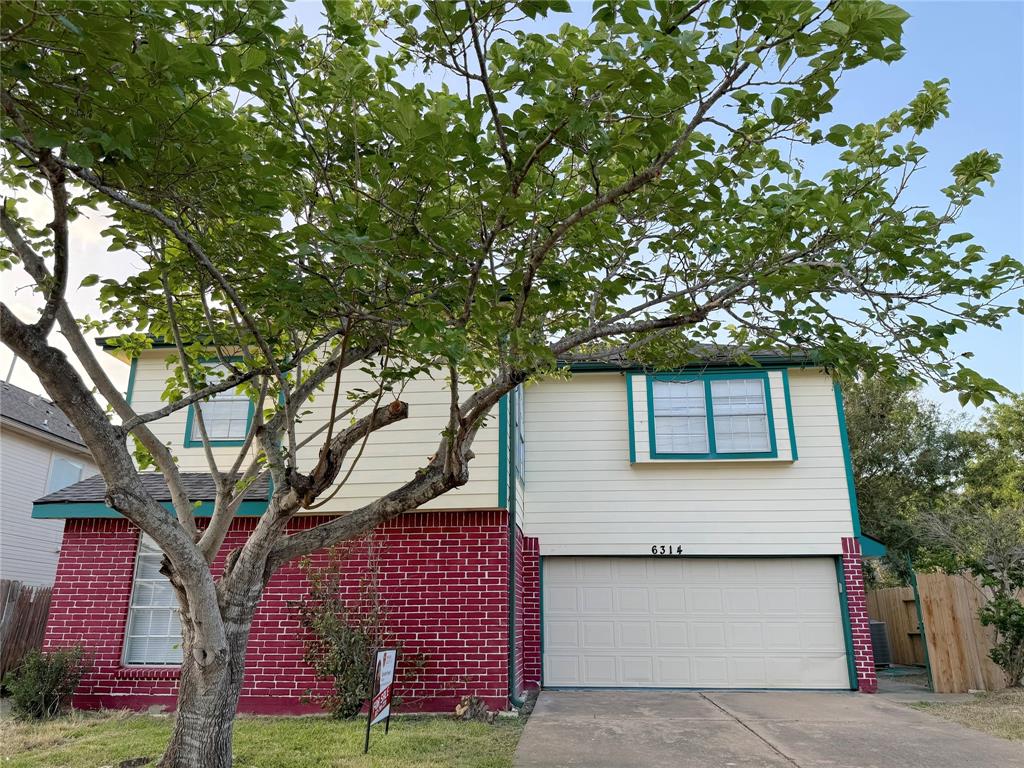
(767, 743)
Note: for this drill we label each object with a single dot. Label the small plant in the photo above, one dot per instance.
(42, 684)
(345, 625)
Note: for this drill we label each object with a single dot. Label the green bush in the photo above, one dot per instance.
(42, 684)
(344, 631)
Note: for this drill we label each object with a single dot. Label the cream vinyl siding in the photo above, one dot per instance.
(583, 496)
(674, 622)
(392, 454)
(29, 548)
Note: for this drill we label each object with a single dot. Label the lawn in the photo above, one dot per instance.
(1000, 713)
(90, 740)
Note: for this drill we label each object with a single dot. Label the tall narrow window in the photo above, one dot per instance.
(154, 626)
(680, 417)
(741, 416)
(520, 432)
(226, 415)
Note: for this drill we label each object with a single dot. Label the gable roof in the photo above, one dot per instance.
(36, 413)
(198, 485)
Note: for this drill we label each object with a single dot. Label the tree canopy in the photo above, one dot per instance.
(470, 188)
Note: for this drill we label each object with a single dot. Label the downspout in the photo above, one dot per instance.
(507, 420)
(920, 622)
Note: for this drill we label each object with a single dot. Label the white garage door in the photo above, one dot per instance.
(700, 622)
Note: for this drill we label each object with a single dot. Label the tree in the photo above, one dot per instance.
(989, 544)
(907, 457)
(995, 473)
(619, 186)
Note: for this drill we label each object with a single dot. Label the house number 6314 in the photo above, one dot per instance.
(666, 549)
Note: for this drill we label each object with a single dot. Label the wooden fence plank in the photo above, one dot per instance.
(23, 613)
(897, 608)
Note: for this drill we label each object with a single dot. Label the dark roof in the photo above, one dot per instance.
(198, 485)
(698, 356)
(36, 413)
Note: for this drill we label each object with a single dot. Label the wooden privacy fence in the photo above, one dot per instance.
(958, 644)
(23, 611)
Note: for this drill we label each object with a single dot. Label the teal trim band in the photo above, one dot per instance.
(844, 609)
(630, 416)
(503, 444)
(871, 547)
(81, 510)
(847, 460)
(712, 453)
(131, 380)
(789, 413)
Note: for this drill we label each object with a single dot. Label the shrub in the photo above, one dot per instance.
(344, 630)
(42, 684)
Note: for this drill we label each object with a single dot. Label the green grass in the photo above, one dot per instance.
(91, 740)
(1000, 713)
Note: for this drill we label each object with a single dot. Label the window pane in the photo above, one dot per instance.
(741, 418)
(63, 473)
(680, 418)
(154, 626)
(226, 414)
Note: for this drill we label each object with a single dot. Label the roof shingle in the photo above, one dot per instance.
(198, 485)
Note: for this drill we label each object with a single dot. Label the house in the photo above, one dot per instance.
(621, 529)
(40, 452)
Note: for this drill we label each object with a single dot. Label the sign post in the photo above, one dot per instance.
(380, 691)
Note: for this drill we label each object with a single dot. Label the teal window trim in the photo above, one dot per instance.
(844, 609)
(132, 371)
(630, 415)
(789, 413)
(503, 449)
(190, 418)
(712, 453)
(97, 510)
(844, 438)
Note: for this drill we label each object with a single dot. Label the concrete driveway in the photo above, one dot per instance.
(626, 729)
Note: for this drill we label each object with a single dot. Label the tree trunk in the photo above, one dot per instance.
(208, 699)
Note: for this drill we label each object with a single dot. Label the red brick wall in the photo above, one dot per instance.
(443, 577)
(528, 621)
(857, 602)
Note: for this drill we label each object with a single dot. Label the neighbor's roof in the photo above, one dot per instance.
(198, 485)
(36, 413)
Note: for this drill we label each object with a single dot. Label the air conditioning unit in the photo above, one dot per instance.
(880, 644)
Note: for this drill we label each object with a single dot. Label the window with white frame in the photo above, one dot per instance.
(225, 415)
(708, 416)
(154, 626)
(63, 472)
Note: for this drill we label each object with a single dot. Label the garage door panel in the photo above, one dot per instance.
(702, 622)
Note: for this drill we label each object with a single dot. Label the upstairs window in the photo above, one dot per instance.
(227, 415)
(711, 416)
(63, 472)
(154, 625)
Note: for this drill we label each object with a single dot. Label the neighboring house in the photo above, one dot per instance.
(623, 529)
(40, 452)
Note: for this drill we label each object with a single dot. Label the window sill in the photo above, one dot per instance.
(148, 673)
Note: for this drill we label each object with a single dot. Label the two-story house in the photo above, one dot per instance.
(40, 452)
(621, 529)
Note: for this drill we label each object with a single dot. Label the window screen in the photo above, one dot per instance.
(154, 628)
(226, 414)
(740, 416)
(680, 417)
(63, 472)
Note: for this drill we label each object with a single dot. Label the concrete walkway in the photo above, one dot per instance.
(674, 729)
